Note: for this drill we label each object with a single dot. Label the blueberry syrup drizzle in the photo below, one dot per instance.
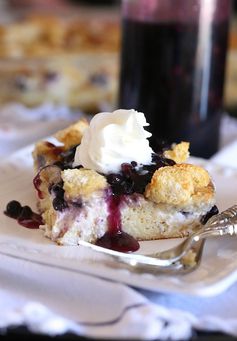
(55, 185)
(115, 238)
(131, 179)
(37, 183)
(23, 214)
(120, 241)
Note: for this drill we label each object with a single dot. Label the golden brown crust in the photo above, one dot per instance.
(179, 152)
(180, 185)
(49, 215)
(45, 153)
(82, 182)
(71, 136)
(47, 35)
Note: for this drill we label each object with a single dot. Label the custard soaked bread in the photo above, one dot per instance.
(105, 185)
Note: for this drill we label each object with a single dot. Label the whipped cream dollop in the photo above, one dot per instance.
(112, 139)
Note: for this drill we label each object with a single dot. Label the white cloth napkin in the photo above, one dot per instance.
(53, 301)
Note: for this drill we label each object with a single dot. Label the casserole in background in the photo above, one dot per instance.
(74, 62)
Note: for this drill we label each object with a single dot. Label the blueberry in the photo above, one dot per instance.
(132, 179)
(126, 169)
(99, 79)
(134, 164)
(114, 179)
(59, 204)
(59, 164)
(50, 76)
(67, 157)
(57, 190)
(13, 209)
(26, 213)
(213, 211)
(159, 145)
(77, 204)
(20, 83)
(128, 186)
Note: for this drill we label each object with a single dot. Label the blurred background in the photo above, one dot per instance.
(62, 56)
(59, 51)
(67, 52)
(231, 75)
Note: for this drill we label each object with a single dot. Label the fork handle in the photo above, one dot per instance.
(222, 224)
(222, 229)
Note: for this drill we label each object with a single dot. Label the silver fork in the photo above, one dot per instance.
(185, 256)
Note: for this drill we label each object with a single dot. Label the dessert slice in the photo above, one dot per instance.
(105, 185)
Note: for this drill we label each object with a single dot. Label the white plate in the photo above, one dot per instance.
(218, 269)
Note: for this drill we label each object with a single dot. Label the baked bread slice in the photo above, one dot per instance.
(167, 198)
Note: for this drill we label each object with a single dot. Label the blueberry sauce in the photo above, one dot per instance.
(114, 218)
(23, 214)
(13, 209)
(37, 183)
(120, 241)
(52, 174)
(115, 238)
(134, 179)
(131, 179)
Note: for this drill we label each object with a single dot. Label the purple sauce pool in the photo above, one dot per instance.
(23, 214)
(115, 238)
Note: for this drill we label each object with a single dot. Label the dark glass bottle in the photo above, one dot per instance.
(173, 68)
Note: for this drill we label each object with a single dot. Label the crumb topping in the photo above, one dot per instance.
(72, 135)
(179, 152)
(82, 182)
(181, 184)
(45, 153)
